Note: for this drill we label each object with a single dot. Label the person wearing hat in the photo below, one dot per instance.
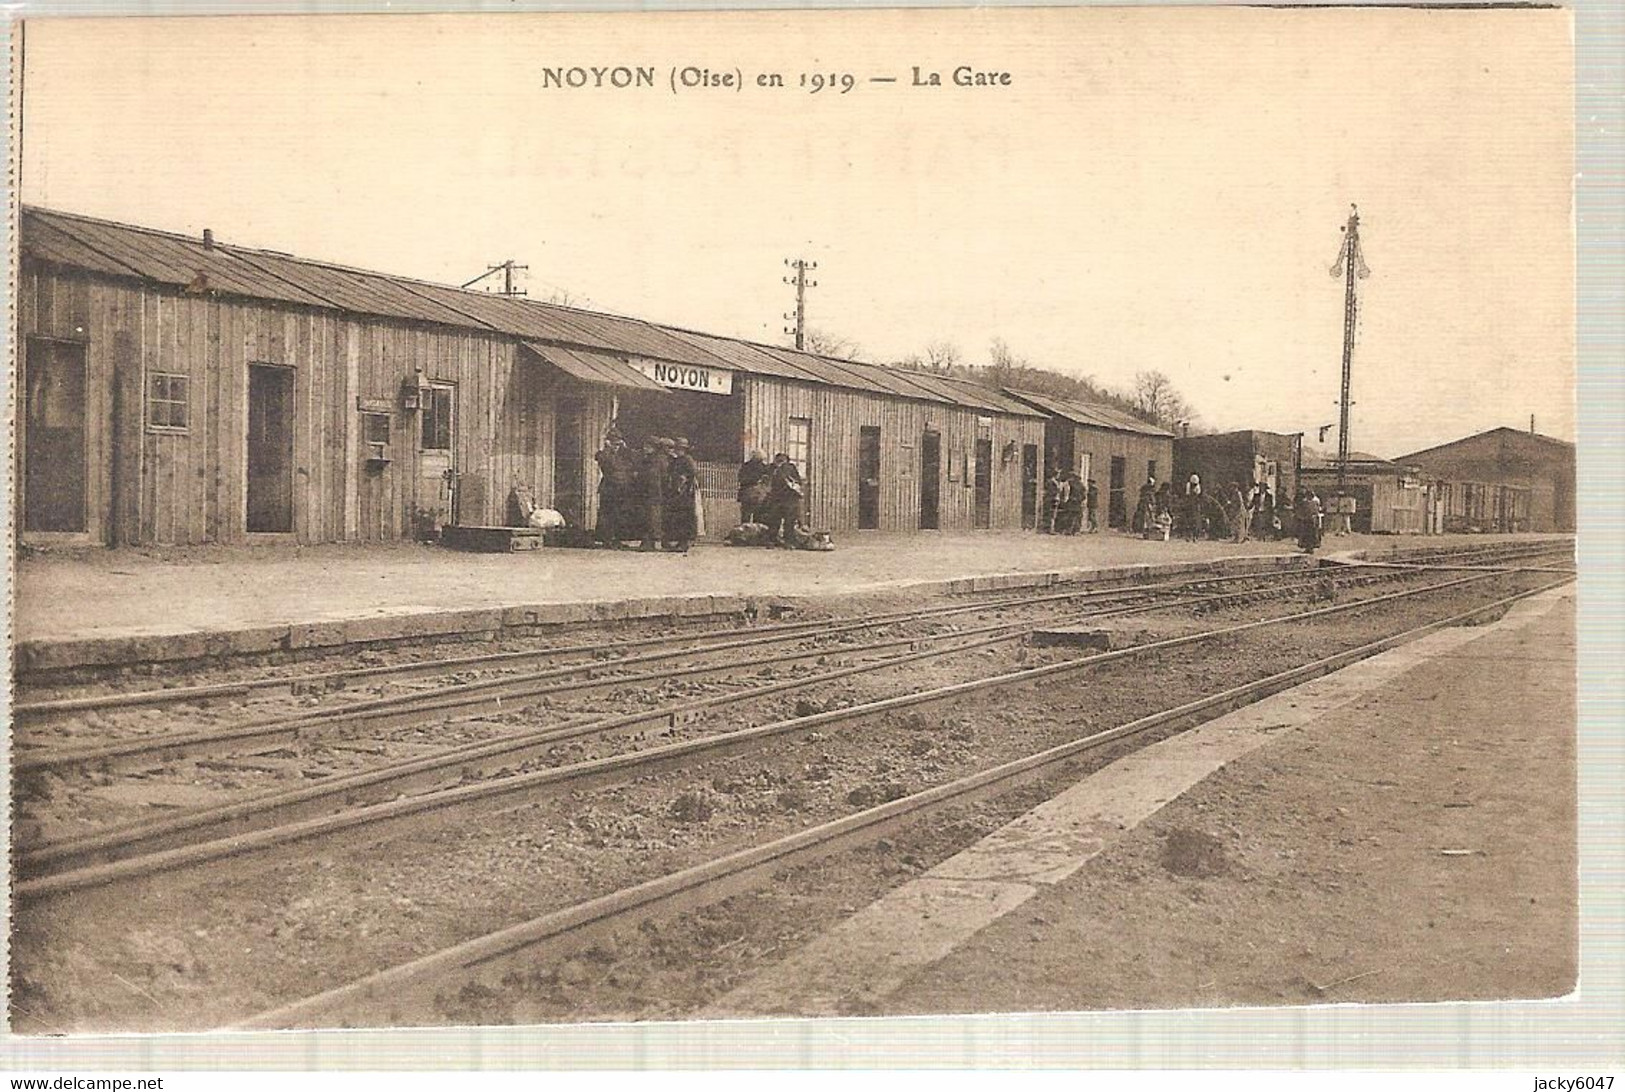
(651, 490)
(754, 476)
(784, 498)
(682, 485)
(1195, 514)
(617, 470)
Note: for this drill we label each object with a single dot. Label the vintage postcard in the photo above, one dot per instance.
(566, 518)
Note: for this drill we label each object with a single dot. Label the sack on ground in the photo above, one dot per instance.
(749, 534)
(546, 519)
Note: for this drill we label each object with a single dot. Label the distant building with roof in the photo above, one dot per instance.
(1504, 479)
(1115, 449)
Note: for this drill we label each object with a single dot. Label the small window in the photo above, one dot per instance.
(798, 445)
(1151, 468)
(375, 428)
(436, 414)
(166, 402)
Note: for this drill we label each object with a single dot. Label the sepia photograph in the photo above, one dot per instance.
(567, 518)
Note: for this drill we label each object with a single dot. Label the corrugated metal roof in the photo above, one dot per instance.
(41, 240)
(171, 259)
(594, 367)
(125, 250)
(1089, 413)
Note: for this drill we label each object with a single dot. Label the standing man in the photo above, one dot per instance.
(651, 489)
(754, 479)
(1092, 504)
(784, 498)
(615, 485)
(1052, 500)
(682, 485)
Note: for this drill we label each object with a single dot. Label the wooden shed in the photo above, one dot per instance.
(1389, 499)
(1248, 457)
(1115, 449)
(179, 390)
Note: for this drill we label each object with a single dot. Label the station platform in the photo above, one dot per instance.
(1401, 830)
(100, 607)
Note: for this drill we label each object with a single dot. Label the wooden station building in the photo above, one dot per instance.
(1502, 480)
(1114, 449)
(179, 390)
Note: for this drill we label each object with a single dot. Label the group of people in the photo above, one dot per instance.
(1070, 503)
(653, 493)
(770, 496)
(1238, 512)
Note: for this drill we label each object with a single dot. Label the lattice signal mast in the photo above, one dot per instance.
(1351, 266)
(802, 267)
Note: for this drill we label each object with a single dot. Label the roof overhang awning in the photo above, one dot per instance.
(594, 366)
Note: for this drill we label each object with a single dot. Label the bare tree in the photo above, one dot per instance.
(1156, 400)
(941, 356)
(825, 343)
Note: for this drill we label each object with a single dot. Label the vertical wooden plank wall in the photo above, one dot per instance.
(837, 415)
(187, 488)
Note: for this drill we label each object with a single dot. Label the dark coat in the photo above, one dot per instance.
(653, 470)
(682, 481)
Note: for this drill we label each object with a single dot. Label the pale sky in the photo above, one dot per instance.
(1154, 189)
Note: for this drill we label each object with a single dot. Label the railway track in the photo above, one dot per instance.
(478, 776)
(497, 694)
(416, 991)
(459, 765)
(121, 870)
(598, 654)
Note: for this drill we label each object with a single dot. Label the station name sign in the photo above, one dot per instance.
(689, 377)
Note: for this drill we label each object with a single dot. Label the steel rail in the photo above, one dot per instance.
(650, 760)
(331, 680)
(462, 764)
(446, 700)
(418, 983)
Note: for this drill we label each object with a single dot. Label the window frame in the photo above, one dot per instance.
(804, 442)
(150, 401)
(432, 393)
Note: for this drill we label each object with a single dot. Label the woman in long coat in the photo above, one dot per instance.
(682, 483)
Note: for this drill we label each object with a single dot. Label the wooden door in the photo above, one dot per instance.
(270, 449)
(54, 437)
(984, 484)
(437, 458)
(930, 481)
(569, 463)
(868, 478)
(1029, 487)
(1117, 502)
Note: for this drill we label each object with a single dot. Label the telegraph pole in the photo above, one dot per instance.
(802, 267)
(507, 269)
(1351, 266)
